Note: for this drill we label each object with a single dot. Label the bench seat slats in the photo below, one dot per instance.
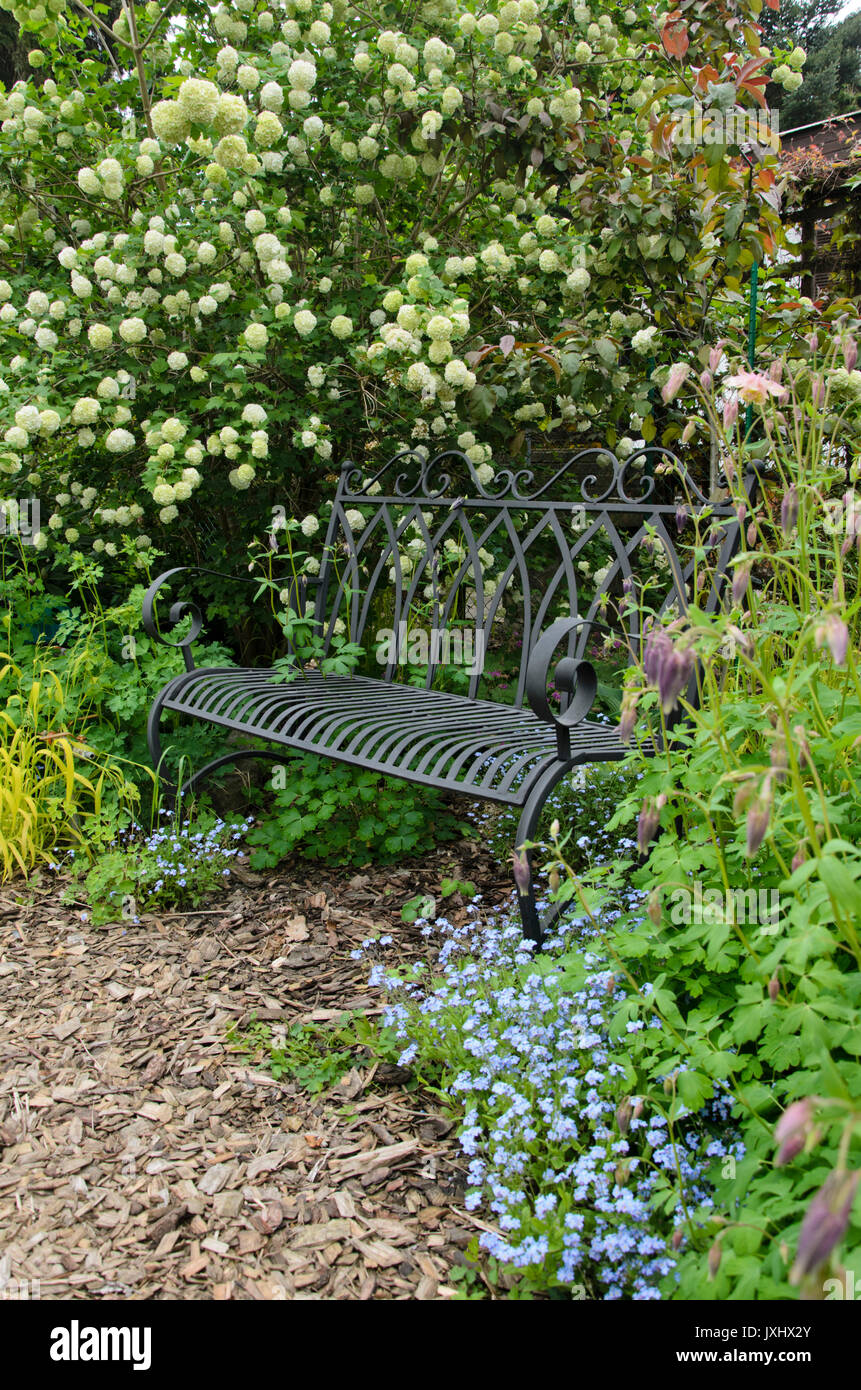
(426, 736)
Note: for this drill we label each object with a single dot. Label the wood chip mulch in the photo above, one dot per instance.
(143, 1157)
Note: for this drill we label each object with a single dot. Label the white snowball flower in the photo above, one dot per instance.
(439, 327)
(304, 322)
(256, 336)
(309, 526)
(49, 422)
(88, 181)
(578, 281)
(176, 361)
(271, 96)
(132, 330)
(173, 430)
(254, 414)
(169, 122)
(302, 75)
(341, 326)
(119, 441)
(85, 411)
(27, 418)
(198, 101)
(37, 303)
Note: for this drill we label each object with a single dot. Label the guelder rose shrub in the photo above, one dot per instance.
(236, 247)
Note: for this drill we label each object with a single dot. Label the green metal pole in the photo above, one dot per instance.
(751, 339)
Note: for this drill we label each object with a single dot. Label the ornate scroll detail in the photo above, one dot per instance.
(664, 479)
(576, 678)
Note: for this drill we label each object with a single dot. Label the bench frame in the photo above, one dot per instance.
(441, 503)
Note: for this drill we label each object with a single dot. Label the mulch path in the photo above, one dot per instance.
(143, 1158)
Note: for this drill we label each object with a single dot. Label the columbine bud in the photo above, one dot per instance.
(758, 817)
(837, 637)
(751, 533)
(740, 580)
(714, 1259)
(522, 874)
(730, 413)
(799, 856)
(647, 825)
(675, 381)
(628, 717)
(802, 745)
(715, 355)
(623, 1116)
(681, 516)
(792, 1130)
(850, 352)
(674, 675)
(654, 908)
(778, 757)
(789, 509)
(825, 1223)
(678, 1237)
(622, 1172)
(817, 390)
(773, 988)
(639, 1107)
(554, 830)
(553, 879)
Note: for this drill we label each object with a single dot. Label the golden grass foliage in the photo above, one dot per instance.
(52, 782)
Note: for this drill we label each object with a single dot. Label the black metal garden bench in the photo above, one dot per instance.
(422, 546)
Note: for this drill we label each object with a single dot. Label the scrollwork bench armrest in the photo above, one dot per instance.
(576, 678)
(183, 608)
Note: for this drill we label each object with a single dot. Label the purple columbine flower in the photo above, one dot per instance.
(792, 1130)
(824, 1223)
(740, 580)
(522, 872)
(789, 510)
(628, 718)
(835, 633)
(647, 824)
(675, 674)
(758, 817)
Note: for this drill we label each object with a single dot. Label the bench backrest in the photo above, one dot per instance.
(407, 549)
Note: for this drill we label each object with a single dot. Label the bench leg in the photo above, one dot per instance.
(238, 755)
(536, 925)
(153, 739)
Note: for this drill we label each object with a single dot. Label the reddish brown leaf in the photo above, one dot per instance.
(675, 39)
